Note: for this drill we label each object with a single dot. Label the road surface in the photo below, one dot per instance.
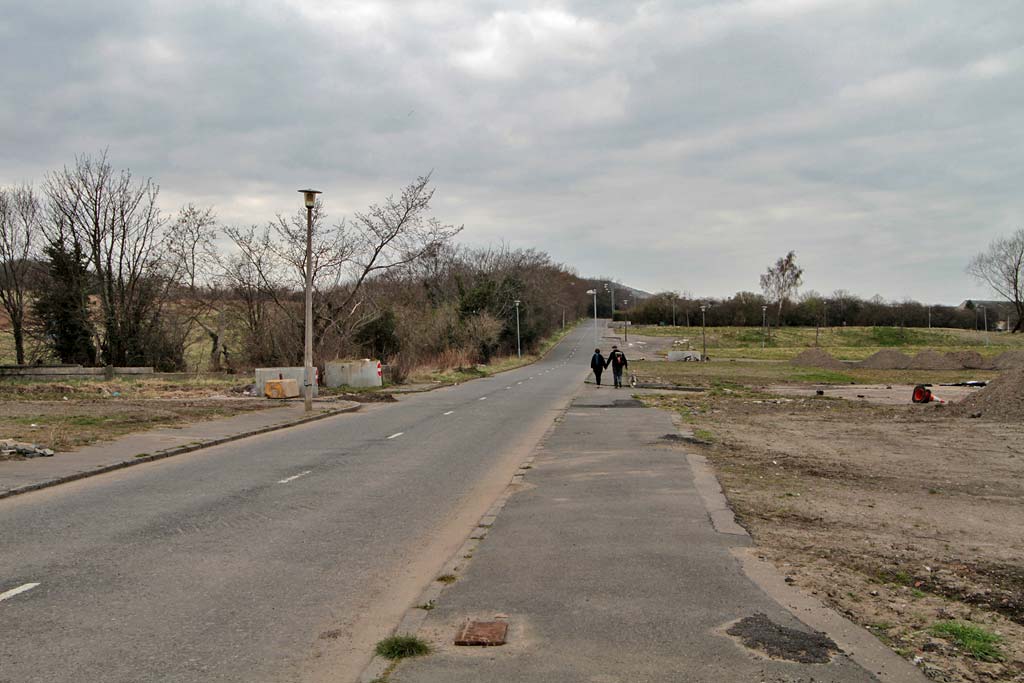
(283, 557)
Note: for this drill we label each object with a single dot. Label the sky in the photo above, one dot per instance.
(671, 145)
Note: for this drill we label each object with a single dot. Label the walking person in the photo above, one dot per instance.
(597, 364)
(617, 359)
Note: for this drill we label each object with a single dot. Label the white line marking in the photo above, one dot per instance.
(294, 477)
(518, 382)
(508, 387)
(483, 398)
(17, 591)
(395, 435)
(449, 412)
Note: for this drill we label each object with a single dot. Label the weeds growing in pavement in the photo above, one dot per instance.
(400, 647)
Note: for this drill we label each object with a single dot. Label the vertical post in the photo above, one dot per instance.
(673, 312)
(597, 339)
(519, 346)
(984, 310)
(308, 352)
(703, 334)
(764, 323)
(929, 317)
(309, 199)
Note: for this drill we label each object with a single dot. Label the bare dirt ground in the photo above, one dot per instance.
(66, 415)
(901, 517)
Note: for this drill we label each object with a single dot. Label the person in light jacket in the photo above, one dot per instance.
(617, 359)
(597, 364)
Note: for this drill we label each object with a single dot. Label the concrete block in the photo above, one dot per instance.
(683, 356)
(298, 374)
(281, 388)
(356, 373)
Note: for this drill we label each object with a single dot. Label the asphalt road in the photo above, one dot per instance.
(278, 558)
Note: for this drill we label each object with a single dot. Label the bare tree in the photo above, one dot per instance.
(1001, 267)
(384, 239)
(781, 282)
(118, 222)
(196, 265)
(20, 227)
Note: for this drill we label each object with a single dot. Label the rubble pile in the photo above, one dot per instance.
(11, 448)
(816, 358)
(1002, 399)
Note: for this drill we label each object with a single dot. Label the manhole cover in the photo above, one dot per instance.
(482, 633)
(761, 633)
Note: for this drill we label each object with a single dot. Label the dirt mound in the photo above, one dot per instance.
(816, 358)
(1002, 399)
(1009, 360)
(933, 360)
(886, 359)
(970, 360)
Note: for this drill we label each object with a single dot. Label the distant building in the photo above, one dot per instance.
(1000, 313)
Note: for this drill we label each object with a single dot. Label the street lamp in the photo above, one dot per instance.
(309, 199)
(764, 323)
(984, 312)
(625, 319)
(703, 333)
(519, 346)
(610, 288)
(594, 292)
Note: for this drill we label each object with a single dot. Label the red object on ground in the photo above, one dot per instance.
(922, 394)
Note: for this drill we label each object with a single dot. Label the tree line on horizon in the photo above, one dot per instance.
(94, 272)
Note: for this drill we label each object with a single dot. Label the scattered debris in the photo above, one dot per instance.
(10, 448)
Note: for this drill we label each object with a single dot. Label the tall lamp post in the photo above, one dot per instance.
(703, 333)
(519, 346)
(984, 312)
(594, 292)
(309, 199)
(610, 288)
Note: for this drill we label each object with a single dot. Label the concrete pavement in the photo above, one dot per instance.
(283, 557)
(607, 567)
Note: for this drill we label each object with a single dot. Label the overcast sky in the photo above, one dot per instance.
(673, 145)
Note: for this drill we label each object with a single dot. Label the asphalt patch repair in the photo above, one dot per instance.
(761, 633)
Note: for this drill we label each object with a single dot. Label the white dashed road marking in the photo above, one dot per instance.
(395, 435)
(17, 591)
(294, 477)
(483, 398)
(449, 412)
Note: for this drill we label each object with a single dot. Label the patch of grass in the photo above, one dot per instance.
(974, 640)
(400, 647)
(917, 593)
(447, 578)
(704, 435)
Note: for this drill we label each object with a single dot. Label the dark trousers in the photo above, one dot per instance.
(597, 376)
(617, 374)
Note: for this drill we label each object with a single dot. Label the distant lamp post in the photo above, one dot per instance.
(984, 313)
(610, 288)
(764, 323)
(309, 199)
(703, 333)
(594, 293)
(625, 319)
(519, 346)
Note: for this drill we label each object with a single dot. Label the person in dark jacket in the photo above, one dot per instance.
(617, 359)
(597, 364)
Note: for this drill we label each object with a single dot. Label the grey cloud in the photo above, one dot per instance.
(675, 145)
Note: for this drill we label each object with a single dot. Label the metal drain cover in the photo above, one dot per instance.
(482, 633)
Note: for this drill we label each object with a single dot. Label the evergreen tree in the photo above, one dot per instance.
(63, 305)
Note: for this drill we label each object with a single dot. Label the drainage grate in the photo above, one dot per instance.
(482, 633)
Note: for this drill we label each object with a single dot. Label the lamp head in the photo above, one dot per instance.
(309, 197)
